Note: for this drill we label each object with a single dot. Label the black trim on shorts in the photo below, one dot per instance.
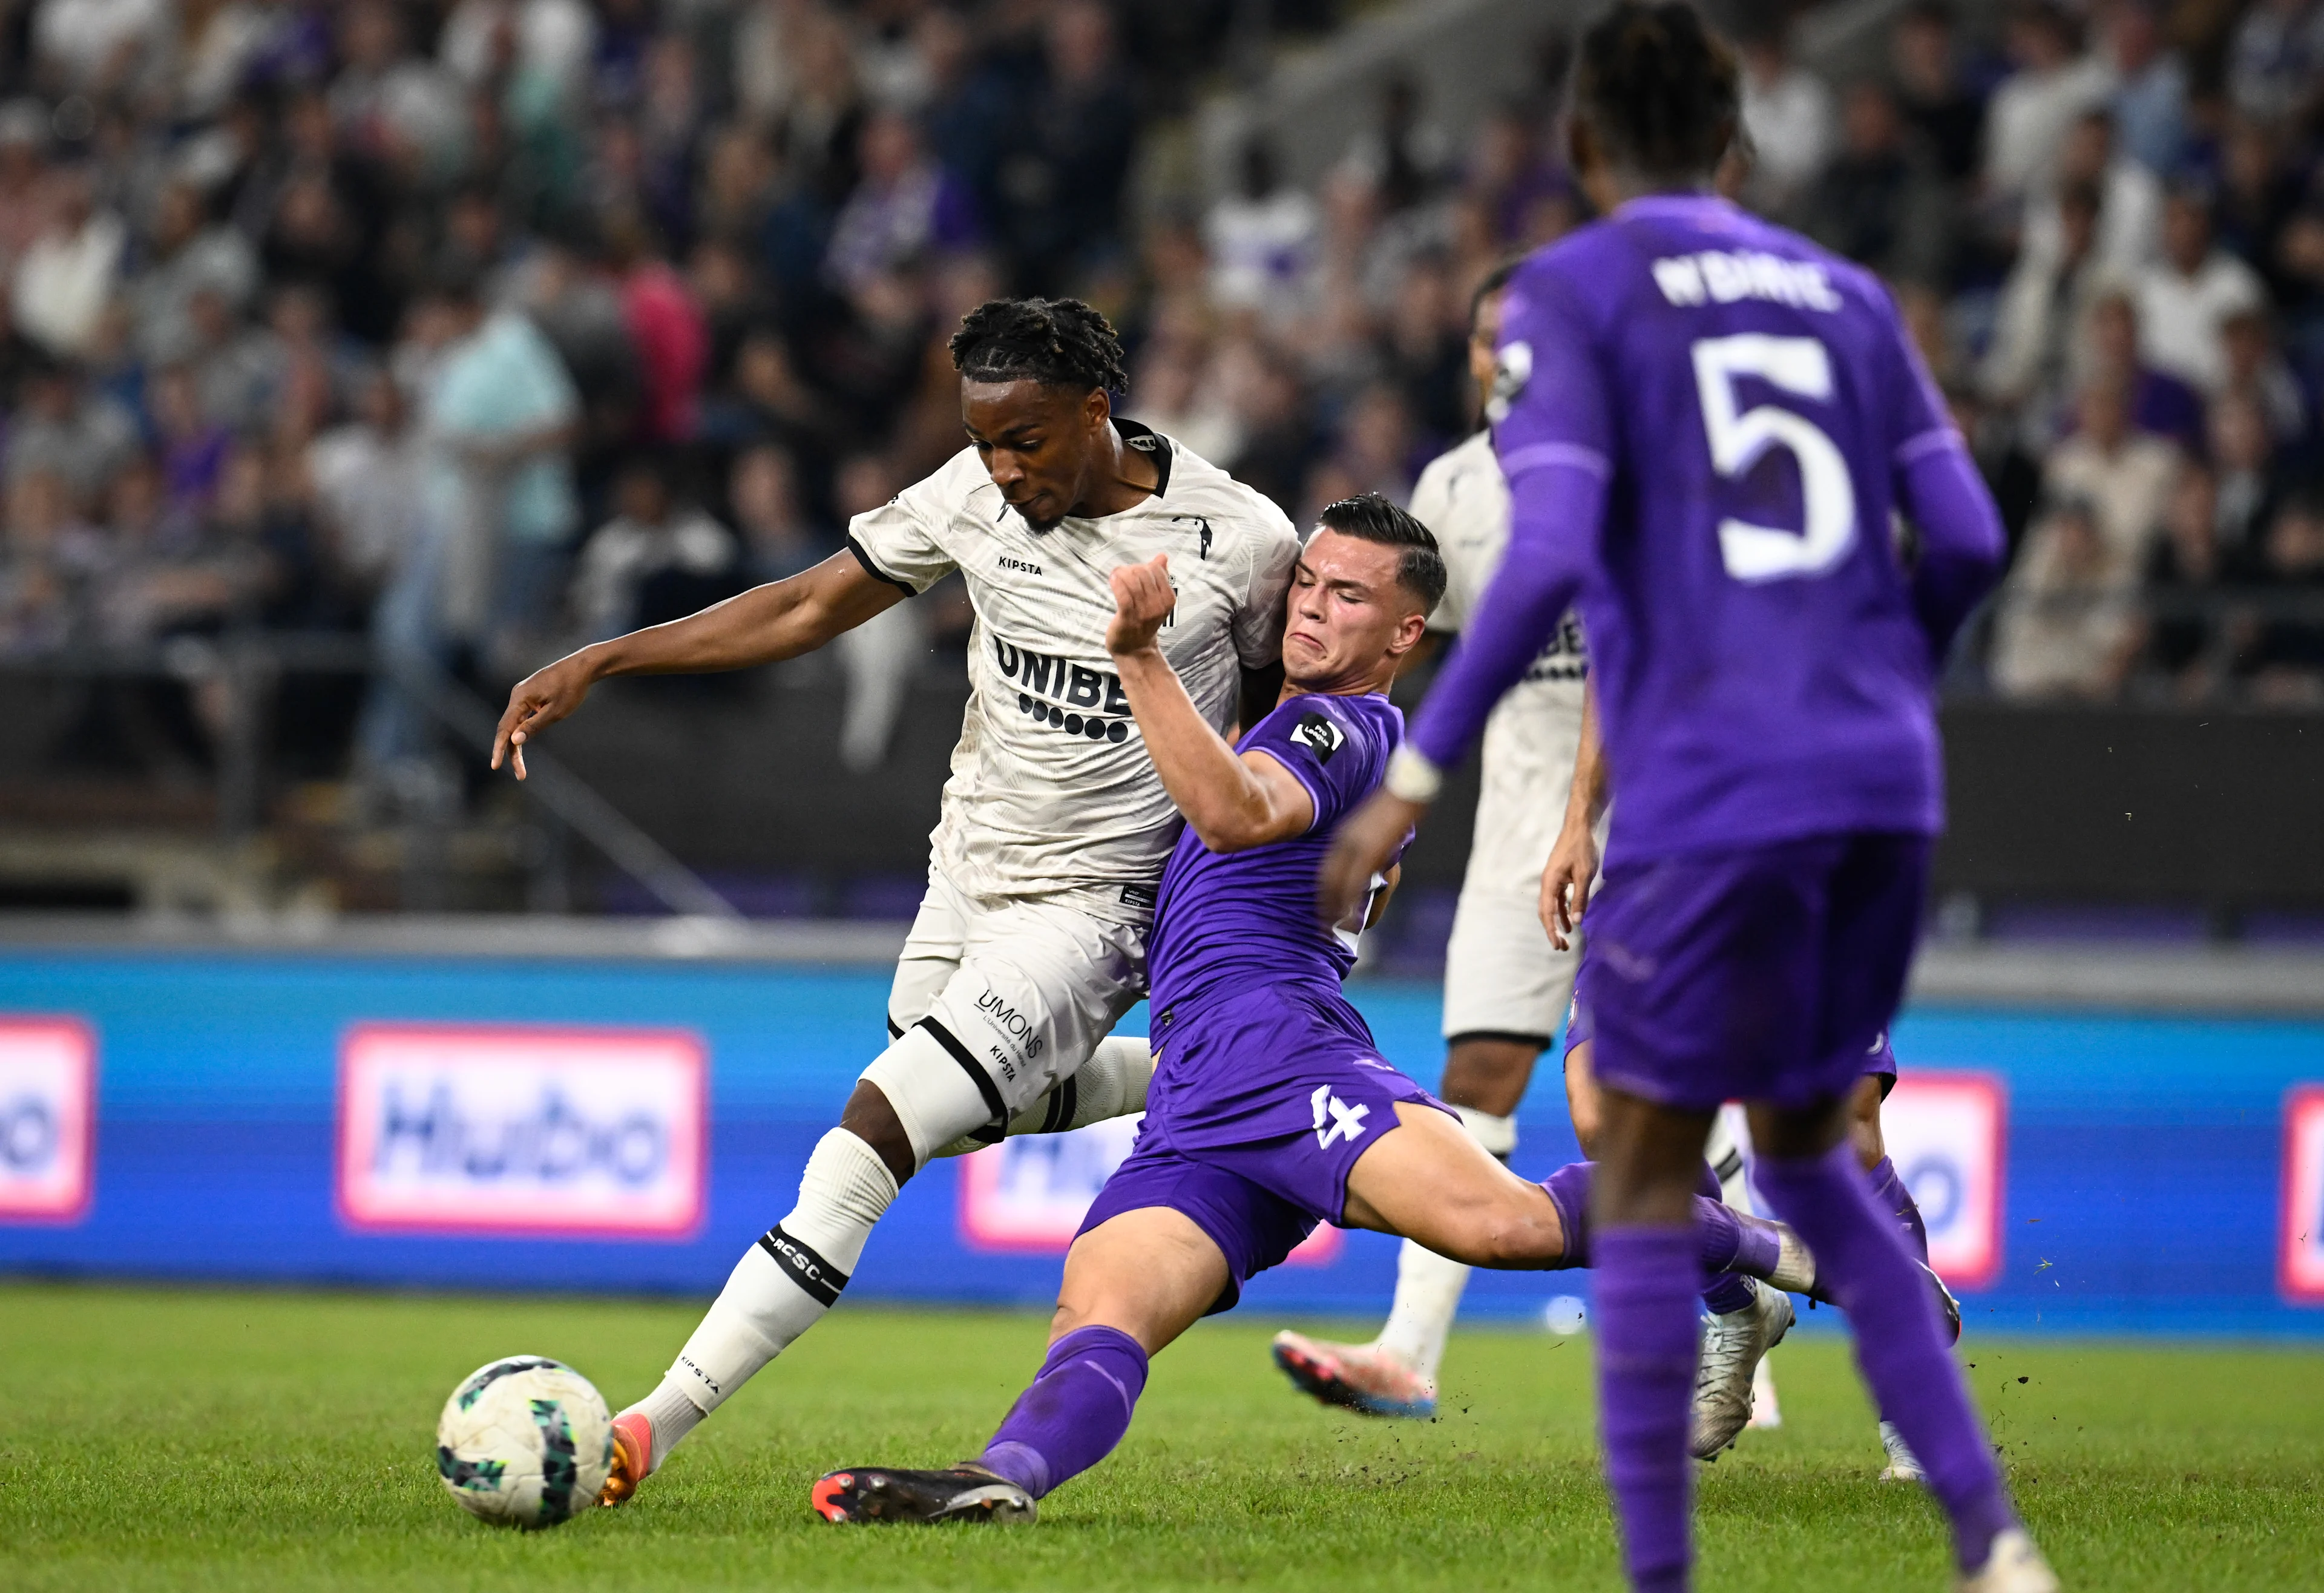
(819, 1278)
(1728, 1165)
(873, 570)
(974, 1069)
(1539, 1042)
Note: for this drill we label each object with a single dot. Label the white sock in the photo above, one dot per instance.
(781, 1287)
(1428, 1285)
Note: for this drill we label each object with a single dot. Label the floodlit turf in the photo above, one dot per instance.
(159, 1438)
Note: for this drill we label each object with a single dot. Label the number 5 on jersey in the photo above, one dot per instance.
(1739, 438)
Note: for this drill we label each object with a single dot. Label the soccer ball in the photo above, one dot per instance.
(524, 1441)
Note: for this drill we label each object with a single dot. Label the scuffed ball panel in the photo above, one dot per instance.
(524, 1441)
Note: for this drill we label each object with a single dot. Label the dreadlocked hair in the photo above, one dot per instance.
(1658, 89)
(1057, 342)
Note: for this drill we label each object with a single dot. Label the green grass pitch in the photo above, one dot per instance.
(166, 1439)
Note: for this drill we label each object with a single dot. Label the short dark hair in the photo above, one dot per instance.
(1658, 89)
(1057, 342)
(1369, 517)
(1494, 281)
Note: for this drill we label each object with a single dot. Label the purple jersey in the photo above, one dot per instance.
(1229, 922)
(1748, 402)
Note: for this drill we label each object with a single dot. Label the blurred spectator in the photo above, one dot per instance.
(1067, 159)
(1261, 238)
(499, 416)
(665, 331)
(2186, 297)
(2027, 120)
(368, 476)
(2285, 662)
(1526, 197)
(2185, 640)
(779, 541)
(2120, 478)
(1404, 155)
(2275, 65)
(1947, 114)
(1787, 115)
(880, 656)
(68, 273)
(108, 44)
(620, 579)
(2130, 198)
(2045, 303)
(188, 253)
(82, 437)
(2243, 458)
(1882, 201)
(905, 207)
(2256, 368)
(2150, 92)
(2067, 622)
(2161, 404)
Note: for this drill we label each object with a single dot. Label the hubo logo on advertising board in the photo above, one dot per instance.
(2301, 1258)
(48, 1113)
(520, 1131)
(1946, 1135)
(1031, 1193)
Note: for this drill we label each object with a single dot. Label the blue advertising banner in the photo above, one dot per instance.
(632, 1126)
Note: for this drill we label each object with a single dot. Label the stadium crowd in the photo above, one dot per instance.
(490, 326)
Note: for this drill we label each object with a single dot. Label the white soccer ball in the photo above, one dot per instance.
(524, 1441)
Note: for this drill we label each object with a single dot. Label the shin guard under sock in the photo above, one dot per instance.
(1077, 1410)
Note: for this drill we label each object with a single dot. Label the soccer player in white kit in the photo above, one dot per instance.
(1505, 986)
(1031, 943)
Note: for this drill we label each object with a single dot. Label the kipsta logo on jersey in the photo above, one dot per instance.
(1075, 698)
(1319, 735)
(521, 1130)
(48, 1095)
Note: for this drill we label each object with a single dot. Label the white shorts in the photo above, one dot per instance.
(1502, 978)
(1019, 991)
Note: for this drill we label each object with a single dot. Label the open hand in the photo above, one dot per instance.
(1143, 598)
(537, 701)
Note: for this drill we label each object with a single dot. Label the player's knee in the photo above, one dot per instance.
(1488, 1074)
(871, 1119)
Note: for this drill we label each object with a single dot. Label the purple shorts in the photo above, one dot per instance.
(1262, 1102)
(1880, 1064)
(1763, 973)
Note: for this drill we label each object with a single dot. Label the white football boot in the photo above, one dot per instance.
(2014, 1566)
(1904, 1464)
(1732, 1345)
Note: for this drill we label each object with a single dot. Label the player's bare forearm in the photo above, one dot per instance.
(1233, 802)
(765, 625)
(1574, 860)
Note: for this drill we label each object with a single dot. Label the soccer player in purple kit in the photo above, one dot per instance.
(1270, 1107)
(1710, 422)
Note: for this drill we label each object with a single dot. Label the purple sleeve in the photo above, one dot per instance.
(1554, 445)
(1939, 491)
(1334, 751)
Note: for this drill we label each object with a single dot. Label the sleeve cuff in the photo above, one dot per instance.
(871, 567)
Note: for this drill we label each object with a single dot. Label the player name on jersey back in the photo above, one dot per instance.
(1051, 790)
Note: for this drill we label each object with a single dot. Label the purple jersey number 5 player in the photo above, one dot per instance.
(1272, 1110)
(1710, 421)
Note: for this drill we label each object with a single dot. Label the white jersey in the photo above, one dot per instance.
(1502, 977)
(1052, 791)
(1530, 739)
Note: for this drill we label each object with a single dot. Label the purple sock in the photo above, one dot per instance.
(1728, 1292)
(1645, 1288)
(1859, 1249)
(1727, 1242)
(1889, 1191)
(1075, 1412)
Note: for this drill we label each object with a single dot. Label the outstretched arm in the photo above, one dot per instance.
(780, 620)
(1234, 803)
(1961, 538)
